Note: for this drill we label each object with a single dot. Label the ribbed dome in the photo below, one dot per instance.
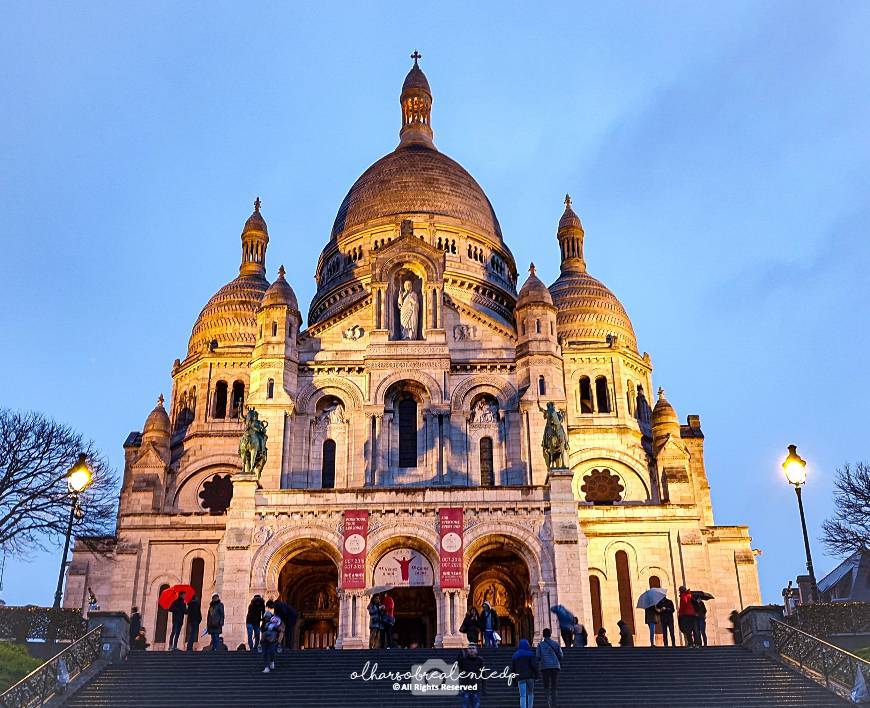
(280, 293)
(664, 420)
(157, 422)
(569, 217)
(255, 221)
(230, 316)
(416, 179)
(416, 79)
(588, 311)
(534, 292)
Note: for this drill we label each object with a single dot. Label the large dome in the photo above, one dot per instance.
(230, 316)
(416, 179)
(588, 311)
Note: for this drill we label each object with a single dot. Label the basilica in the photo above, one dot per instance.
(403, 429)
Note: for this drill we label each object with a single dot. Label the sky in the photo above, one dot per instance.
(717, 153)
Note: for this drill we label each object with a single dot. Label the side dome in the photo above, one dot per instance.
(157, 422)
(534, 292)
(230, 316)
(280, 293)
(587, 310)
(416, 179)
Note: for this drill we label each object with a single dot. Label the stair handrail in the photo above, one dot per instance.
(41, 684)
(830, 665)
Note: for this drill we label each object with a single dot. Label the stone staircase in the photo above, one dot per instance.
(715, 676)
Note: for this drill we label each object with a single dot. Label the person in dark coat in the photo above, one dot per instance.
(581, 636)
(178, 609)
(524, 664)
(550, 657)
(601, 639)
(626, 639)
(651, 618)
(701, 614)
(194, 618)
(566, 623)
(488, 622)
(214, 622)
(666, 610)
(139, 643)
(470, 661)
(253, 620)
(135, 624)
(374, 608)
(470, 627)
(287, 615)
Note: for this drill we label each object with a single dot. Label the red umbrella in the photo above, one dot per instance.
(168, 596)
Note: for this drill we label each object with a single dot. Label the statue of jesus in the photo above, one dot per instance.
(409, 311)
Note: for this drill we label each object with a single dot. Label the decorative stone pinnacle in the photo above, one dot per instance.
(567, 201)
(531, 268)
(661, 392)
(257, 204)
(281, 272)
(160, 400)
(415, 56)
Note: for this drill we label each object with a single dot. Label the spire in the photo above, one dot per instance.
(160, 401)
(570, 234)
(416, 102)
(255, 238)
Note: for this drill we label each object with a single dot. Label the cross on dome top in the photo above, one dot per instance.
(257, 204)
(415, 56)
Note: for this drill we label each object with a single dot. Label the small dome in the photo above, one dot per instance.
(534, 292)
(588, 311)
(230, 316)
(157, 422)
(664, 419)
(255, 221)
(416, 79)
(280, 293)
(569, 217)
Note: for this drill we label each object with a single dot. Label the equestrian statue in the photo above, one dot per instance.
(252, 446)
(555, 442)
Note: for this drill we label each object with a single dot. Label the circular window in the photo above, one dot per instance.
(217, 493)
(602, 487)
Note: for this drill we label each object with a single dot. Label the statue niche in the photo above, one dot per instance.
(408, 301)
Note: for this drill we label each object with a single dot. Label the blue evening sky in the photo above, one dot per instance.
(717, 153)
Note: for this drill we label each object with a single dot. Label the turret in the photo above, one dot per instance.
(255, 239)
(158, 430)
(276, 351)
(416, 100)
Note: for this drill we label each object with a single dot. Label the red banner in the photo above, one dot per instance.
(353, 552)
(450, 548)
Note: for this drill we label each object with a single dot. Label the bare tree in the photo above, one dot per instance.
(35, 454)
(848, 530)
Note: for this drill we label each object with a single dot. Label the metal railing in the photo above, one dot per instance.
(831, 666)
(43, 683)
(18, 624)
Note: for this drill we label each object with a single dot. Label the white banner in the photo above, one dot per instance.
(404, 567)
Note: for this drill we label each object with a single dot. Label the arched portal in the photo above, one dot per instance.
(498, 575)
(409, 574)
(308, 582)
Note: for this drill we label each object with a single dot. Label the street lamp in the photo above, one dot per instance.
(795, 468)
(78, 479)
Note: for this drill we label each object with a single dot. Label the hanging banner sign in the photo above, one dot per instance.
(450, 548)
(353, 551)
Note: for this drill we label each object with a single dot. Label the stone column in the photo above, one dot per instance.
(453, 601)
(569, 548)
(116, 633)
(349, 620)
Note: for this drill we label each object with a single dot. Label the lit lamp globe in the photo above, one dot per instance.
(79, 477)
(795, 467)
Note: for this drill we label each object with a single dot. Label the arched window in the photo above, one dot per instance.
(585, 395)
(220, 399)
(327, 468)
(162, 617)
(542, 386)
(274, 329)
(595, 592)
(238, 399)
(523, 325)
(552, 329)
(487, 473)
(537, 326)
(197, 575)
(601, 395)
(407, 432)
(270, 388)
(623, 583)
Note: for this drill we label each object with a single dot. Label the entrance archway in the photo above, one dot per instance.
(308, 582)
(410, 577)
(498, 575)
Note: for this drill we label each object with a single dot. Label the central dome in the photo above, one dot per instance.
(416, 179)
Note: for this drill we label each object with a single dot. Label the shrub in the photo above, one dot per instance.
(15, 664)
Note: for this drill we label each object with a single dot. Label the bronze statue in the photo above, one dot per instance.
(555, 442)
(252, 446)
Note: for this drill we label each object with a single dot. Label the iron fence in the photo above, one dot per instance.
(19, 624)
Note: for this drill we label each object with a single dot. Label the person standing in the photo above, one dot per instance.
(194, 618)
(470, 627)
(601, 639)
(581, 636)
(271, 630)
(135, 624)
(701, 621)
(626, 638)
(139, 643)
(566, 623)
(470, 662)
(666, 610)
(550, 656)
(374, 608)
(651, 617)
(253, 620)
(488, 623)
(178, 609)
(214, 621)
(524, 664)
(687, 618)
(388, 619)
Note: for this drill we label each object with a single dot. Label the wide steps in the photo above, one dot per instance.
(642, 676)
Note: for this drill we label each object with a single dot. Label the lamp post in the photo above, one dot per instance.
(78, 479)
(795, 468)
